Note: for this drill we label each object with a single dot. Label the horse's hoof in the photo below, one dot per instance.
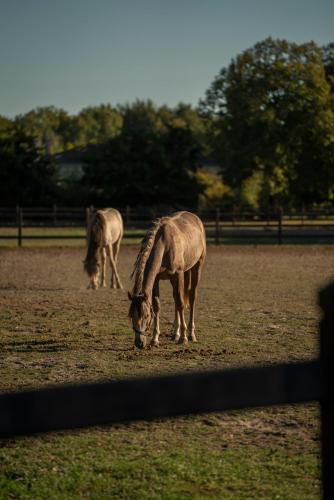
(154, 343)
(176, 338)
(193, 339)
(183, 340)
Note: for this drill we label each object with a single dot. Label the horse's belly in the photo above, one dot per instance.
(165, 274)
(180, 266)
(191, 258)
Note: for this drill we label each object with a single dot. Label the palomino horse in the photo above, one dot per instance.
(174, 249)
(104, 237)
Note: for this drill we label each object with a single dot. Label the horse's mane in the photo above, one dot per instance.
(144, 252)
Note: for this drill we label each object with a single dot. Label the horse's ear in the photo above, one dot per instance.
(130, 296)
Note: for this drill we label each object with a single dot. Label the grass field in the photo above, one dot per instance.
(51, 236)
(259, 233)
(257, 305)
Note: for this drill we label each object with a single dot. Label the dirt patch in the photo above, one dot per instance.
(256, 305)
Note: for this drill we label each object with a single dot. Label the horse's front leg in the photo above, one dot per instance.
(156, 310)
(176, 325)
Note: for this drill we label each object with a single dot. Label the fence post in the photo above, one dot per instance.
(268, 217)
(54, 214)
(87, 222)
(279, 226)
(89, 215)
(326, 300)
(217, 226)
(233, 215)
(19, 225)
(127, 214)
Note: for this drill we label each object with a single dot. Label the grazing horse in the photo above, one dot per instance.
(174, 249)
(104, 237)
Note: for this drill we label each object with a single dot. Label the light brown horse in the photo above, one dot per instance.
(104, 237)
(174, 249)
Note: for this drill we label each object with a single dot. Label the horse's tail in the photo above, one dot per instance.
(187, 286)
(95, 241)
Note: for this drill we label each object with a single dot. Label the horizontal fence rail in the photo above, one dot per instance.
(17, 224)
(69, 407)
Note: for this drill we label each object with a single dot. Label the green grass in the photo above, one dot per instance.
(132, 464)
(33, 238)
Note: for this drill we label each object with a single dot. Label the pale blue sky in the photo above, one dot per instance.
(75, 53)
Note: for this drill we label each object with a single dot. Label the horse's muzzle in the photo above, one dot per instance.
(140, 340)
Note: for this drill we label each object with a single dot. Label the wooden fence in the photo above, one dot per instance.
(278, 227)
(69, 407)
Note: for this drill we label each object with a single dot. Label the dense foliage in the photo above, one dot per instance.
(273, 114)
(27, 176)
(151, 161)
(267, 120)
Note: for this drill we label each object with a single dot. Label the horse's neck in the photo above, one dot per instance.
(152, 267)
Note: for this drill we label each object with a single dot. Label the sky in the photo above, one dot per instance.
(77, 53)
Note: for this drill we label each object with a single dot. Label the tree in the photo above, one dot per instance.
(97, 124)
(328, 62)
(148, 163)
(6, 127)
(273, 113)
(48, 126)
(27, 177)
(214, 192)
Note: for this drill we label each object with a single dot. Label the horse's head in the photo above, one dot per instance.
(141, 314)
(92, 268)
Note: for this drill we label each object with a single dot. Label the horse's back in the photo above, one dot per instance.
(113, 224)
(187, 220)
(189, 226)
(184, 235)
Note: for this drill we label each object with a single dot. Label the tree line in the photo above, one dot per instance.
(266, 123)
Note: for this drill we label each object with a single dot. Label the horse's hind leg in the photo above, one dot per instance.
(113, 267)
(115, 253)
(103, 267)
(195, 276)
(110, 251)
(112, 274)
(178, 294)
